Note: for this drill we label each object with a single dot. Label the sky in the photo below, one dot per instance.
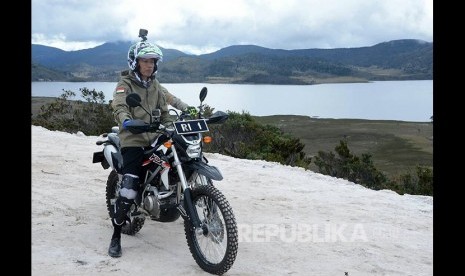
(205, 26)
(290, 221)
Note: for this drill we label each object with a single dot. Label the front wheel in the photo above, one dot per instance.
(215, 246)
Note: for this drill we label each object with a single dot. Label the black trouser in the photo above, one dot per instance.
(132, 160)
(132, 167)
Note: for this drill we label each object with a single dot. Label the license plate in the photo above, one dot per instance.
(191, 126)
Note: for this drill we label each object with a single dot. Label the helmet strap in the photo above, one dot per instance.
(155, 68)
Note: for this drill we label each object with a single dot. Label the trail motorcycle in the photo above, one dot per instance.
(178, 182)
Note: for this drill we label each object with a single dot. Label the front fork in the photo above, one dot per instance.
(192, 214)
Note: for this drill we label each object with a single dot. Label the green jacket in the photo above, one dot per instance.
(173, 100)
(152, 98)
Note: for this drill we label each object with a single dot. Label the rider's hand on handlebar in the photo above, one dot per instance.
(126, 122)
(191, 110)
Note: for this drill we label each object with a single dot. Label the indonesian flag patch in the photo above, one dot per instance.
(119, 90)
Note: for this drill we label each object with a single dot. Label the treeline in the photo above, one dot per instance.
(241, 136)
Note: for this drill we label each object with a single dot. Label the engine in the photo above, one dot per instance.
(156, 201)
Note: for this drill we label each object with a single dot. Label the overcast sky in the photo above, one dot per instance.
(204, 26)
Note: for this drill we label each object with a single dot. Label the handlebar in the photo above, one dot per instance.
(138, 126)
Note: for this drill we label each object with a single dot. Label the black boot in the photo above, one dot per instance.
(115, 245)
(120, 217)
(115, 248)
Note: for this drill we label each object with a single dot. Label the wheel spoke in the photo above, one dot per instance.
(215, 248)
(213, 245)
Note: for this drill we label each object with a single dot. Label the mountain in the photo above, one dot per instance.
(405, 59)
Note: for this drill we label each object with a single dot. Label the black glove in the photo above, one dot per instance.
(191, 110)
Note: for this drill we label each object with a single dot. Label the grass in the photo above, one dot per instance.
(37, 102)
(395, 146)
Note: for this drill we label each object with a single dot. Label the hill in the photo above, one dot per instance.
(406, 59)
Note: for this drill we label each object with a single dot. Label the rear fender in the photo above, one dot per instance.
(99, 157)
(113, 157)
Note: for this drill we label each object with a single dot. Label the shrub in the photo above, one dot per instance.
(349, 166)
(418, 182)
(92, 117)
(242, 137)
(362, 171)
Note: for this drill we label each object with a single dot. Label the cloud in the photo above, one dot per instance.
(208, 25)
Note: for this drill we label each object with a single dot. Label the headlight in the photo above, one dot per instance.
(193, 151)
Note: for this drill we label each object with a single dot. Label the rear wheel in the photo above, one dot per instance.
(136, 219)
(214, 247)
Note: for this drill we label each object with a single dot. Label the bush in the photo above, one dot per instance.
(242, 137)
(92, 117)
(349, 166)
(418, 182)
(362, 171)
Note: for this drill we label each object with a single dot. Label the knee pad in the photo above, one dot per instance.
(129, 186)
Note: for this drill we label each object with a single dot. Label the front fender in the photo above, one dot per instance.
(208, 171)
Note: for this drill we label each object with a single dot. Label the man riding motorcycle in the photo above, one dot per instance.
(143, 58)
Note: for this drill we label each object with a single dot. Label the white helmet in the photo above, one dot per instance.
(143, 49)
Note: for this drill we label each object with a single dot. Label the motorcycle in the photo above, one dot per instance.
(178, 182)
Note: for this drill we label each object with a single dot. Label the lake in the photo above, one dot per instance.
(380, 100)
